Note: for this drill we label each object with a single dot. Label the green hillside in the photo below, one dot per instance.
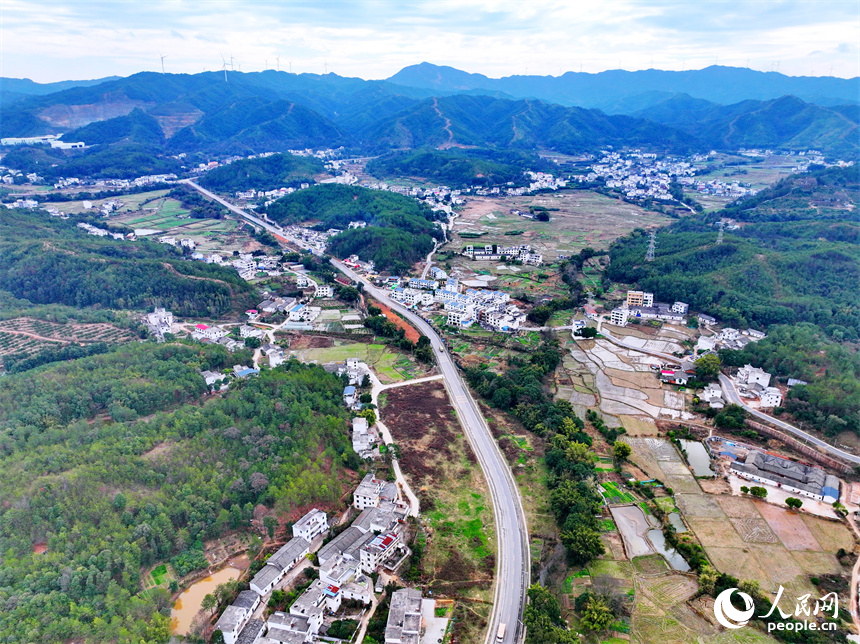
(50, 261)
(267, 173)
(785, 122)
(115, 463)
(137, 127)
(459, 167)
(400, 230)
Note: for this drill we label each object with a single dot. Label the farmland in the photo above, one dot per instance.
(30, 336)
(390, 365)
(458, 526)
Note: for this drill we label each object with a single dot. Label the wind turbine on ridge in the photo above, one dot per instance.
(162, 62)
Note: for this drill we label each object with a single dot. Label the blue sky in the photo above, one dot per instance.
(55, 40)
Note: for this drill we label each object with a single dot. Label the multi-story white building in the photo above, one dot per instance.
(311, 525)
(324, 290)
(619, 317)
(366, 495)
(639, 298)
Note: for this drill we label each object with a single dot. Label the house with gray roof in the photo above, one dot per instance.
(278, 564)
(404, 617)
(797, 478)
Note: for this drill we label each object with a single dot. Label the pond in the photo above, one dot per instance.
(677, 522)
(188, 603)
(671, 555)
(633, 527)
(698, 458)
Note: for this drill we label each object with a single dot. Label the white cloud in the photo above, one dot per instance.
(50, 41)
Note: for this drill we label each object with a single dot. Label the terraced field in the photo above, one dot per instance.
(30, 336)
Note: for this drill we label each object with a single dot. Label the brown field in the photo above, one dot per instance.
(735, 506)
(716, 533)
(754, 530)
(789, 527)
(457, 517)
(830, 534)
(699, 505)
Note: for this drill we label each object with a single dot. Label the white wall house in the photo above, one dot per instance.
(311, 525)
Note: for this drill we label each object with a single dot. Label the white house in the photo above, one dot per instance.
(619, 317)
(311, 525)
(375, 552)
(324, 290)
(680, 307)
(729, 334)
(236, 616)
(367, 493)
(771, 397)
(209, 332)
(278, 564)
(250, 332)
(750, 375)
(404, 617)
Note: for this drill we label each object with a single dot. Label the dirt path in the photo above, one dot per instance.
(411, 333)
(172, 269)
(447, 127)
(40, 337)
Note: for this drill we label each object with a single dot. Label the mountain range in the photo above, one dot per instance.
(619, 91)
(240, 113)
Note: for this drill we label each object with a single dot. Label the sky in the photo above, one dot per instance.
(52, 40)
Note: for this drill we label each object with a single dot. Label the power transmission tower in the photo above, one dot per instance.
(652, 245)
(720, 235)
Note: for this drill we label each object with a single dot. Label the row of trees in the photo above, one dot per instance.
(574, 499)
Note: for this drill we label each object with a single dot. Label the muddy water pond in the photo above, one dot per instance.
(633, 527)
(698, 458)
(188, 603)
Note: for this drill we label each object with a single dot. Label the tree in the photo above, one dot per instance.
(253, 343)
(579, 453)
(793, 502)
(708, 577)
(366, 382)
(621, 451)
(587, 332)
(731, 417)
(708, 367)
(271, 524)
(209, 602)
(597, 615)
(745, 489)
(217, 637)
(583, 544)
(369, 414)
(365, 398)
(758, 491)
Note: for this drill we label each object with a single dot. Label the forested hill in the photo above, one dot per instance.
(782, 122)
(794, 260)
(50, 261)
(527, 124)
(266, 173)
(112, 465)
(799, 260)
(460, 167)
(399, 232)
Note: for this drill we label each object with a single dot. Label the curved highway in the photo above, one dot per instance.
(733, 397)
(513, 561)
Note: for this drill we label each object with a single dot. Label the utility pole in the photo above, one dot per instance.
(721, 225)
(652, 245)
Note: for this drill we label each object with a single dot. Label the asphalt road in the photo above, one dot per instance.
(513, 562)
(733, 397)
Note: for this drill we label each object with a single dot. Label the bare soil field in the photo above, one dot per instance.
(790, 527)
(411, 333)
(459, 557)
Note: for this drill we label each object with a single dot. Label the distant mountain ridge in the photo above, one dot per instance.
(13, 89)
(272, 111)
(606, 90)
